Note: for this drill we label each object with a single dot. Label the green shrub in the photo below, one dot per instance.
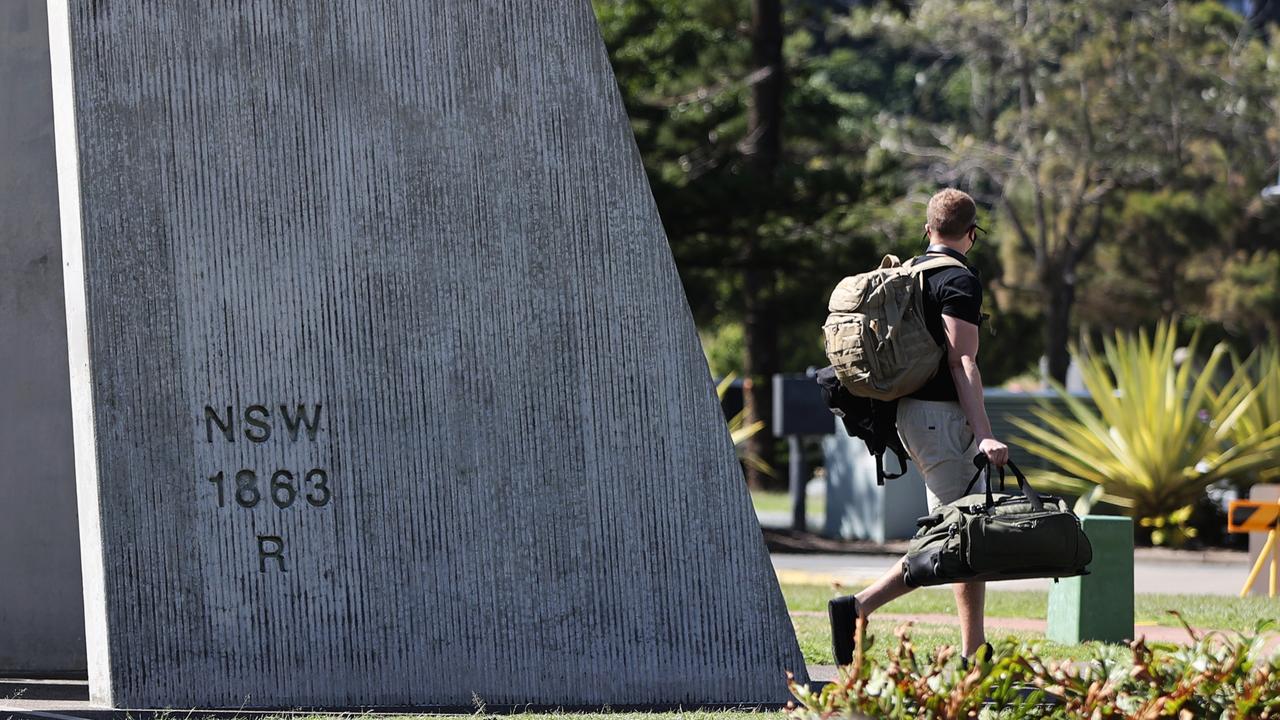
(1217, 675)
(1261, 418)
(1163, 431)
(740, 431)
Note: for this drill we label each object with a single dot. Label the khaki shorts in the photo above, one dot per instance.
(941, 444)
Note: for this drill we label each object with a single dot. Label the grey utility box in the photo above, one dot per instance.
(1004, 405)
(858, 508)
(798, 406)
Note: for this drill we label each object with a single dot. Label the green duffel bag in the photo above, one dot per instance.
(997, 536)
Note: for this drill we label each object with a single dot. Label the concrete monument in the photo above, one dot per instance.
(385, 389)
(41, 615)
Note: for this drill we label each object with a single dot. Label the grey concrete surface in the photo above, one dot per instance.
(857, 507)
(1153, 573)
(385, 389)
(41, 611)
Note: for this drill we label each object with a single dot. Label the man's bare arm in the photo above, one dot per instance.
(962, 359)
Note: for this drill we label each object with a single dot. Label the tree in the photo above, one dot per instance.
(1142, 275)
(1090, 99)
(754, 121)
(1245, 295)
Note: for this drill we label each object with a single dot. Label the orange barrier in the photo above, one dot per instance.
(1258, 516)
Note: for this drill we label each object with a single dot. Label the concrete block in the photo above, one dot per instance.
(386, 392)
(1097, 606)
(41, 611)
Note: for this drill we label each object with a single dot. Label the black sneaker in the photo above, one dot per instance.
(843, 612)
(984, 653)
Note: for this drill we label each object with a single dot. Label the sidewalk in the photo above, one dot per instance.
(1153, 575)
(813, 559)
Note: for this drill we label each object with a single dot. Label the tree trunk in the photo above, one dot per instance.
(1060, 283)
(760, 362)
(762, 147)
(764, 117)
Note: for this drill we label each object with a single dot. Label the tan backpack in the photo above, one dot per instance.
(876, 335)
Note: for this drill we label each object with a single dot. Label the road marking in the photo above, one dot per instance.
(813, 577)
(37, 713)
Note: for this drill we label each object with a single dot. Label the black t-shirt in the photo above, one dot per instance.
(948, 291)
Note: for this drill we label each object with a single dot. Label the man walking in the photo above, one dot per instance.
(944, 424)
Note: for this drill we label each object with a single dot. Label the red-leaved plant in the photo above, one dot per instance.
(1217, 675)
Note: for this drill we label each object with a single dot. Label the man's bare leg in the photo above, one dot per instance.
(890, 586)
(970, 603)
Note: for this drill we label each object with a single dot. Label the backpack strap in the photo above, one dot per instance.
(917, 269)
(881, 475)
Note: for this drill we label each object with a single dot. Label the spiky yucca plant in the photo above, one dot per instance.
(1161, 434)
(1262, 417)
(740, 431)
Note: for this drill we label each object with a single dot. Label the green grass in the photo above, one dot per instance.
(1013, 603)
(814, 634)
(1205, 611)
(780, 502)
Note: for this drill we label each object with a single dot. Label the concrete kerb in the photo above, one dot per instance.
(97, 713)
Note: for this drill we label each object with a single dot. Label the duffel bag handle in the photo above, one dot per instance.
(984, 471)
(1029, 492)
(980, 462)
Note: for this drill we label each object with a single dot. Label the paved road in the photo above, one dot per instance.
(1197, 577)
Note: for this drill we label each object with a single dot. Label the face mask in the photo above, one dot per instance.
(973, 236)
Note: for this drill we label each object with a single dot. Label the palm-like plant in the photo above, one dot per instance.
(1161, 432)
(1261, 370)
(740, 430)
